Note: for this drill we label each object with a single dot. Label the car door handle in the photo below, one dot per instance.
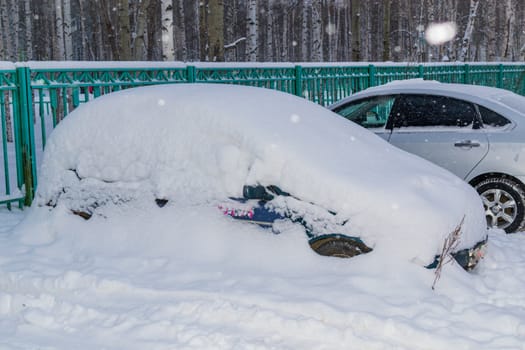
(467, 143)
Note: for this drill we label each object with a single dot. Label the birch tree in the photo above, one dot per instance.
(467, 37)
(270, 52)
(59, 48)
(510, 16)
(452, 16)
(317, 32)
(251, 29)
(305, 30)
(168, 51)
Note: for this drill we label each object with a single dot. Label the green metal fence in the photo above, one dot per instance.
(35, 96)
(12, 139)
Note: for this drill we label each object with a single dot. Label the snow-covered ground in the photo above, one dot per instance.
(185, 276)
(173, 280)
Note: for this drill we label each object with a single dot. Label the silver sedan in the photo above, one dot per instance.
(476, 132)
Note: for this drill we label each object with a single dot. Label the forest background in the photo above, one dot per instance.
(259, 30)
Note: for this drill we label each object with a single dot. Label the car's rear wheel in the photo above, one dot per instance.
(338, 246)
(503, 200)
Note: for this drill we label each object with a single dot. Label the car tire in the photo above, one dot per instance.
(504, 201)
(338, 246)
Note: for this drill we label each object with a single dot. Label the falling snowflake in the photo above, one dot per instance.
(440, 33)
(330, 29)
(294, 118)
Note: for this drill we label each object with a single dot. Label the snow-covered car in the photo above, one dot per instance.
(476, 132)
(264, 157)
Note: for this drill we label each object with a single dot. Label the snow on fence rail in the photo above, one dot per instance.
(35, 96)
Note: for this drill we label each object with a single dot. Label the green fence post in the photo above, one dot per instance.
(25, 117)
(190, 71)
(466, 74)
(4, 146)
(372, 75)
(421, 70)
(500, 76)
(298, 81)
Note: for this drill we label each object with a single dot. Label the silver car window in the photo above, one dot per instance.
(492, 119)
(434, 111)
(369, 113)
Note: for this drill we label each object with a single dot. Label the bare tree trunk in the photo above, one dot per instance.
(491, 30)
(103, 47)
(420, 41)
(386, 30)
(83, 33)
(68, 40)
(28, 30)
(124, 33)
(356, 26)
(230, 34)
(317, 32)
(510, 8)
(167, 30)
(59, 20)
(451, 16)
(284, 42)
(432, 50)
(366, 42)
(203, 31)
(467, 37)
(270, 33)
(251, 29)
(110, 36)
(2, 41)
(180, 32)
(139, 46)
(4, 35)
(305, 30)
(14, 24)
(154, 31)
(216, 30)
(332, 31)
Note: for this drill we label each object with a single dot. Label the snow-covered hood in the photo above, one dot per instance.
(198, 143)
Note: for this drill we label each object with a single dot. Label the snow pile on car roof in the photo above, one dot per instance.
(197, 143)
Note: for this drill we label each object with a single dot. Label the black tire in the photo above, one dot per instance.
(504, 201)
(338, 246)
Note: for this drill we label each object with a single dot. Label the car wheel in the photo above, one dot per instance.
(503, 200)
(338, 246)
